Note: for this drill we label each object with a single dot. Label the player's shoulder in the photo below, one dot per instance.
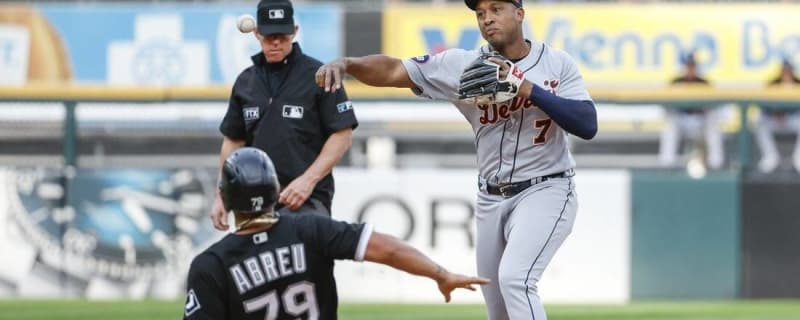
(206, 262)
(557, 55)
(217, 247)
(465, 54)
(448, 56)
(557, 59)
(304, 222)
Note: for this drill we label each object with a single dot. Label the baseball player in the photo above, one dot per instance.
(522, 98)
(281, 266)
(774, 120)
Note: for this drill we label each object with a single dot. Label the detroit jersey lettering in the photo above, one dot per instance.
(515, 140)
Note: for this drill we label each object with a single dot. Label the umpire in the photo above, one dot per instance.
(276, 106)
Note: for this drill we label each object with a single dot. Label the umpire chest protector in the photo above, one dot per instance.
(278, 108)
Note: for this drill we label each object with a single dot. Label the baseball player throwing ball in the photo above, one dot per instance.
(522, 98)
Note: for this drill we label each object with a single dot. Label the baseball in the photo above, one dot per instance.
(246, 23)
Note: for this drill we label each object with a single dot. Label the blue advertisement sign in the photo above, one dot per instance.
(175, 44)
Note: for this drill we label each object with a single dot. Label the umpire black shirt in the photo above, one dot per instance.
(278, 108)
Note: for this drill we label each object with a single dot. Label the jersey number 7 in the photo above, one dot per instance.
(290, 297)
(543, 125)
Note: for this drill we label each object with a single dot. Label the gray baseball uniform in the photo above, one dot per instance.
(515, 141)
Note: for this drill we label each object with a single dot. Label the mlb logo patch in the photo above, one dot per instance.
(275, 14)
(344, 106)
(250, 113)
(294, 112)
(260, 238)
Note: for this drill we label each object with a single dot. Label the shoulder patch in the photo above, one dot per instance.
(192, 304)
(344, 106)
(421, 59)
(250, 113)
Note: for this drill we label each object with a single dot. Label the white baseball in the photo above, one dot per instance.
(246, 23)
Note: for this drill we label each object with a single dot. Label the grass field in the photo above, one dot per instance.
(156, 310)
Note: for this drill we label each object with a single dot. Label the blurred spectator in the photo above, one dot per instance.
(778, 120)
(694, 123)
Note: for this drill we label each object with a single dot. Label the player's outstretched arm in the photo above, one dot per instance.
(374, 70)
(388, 250)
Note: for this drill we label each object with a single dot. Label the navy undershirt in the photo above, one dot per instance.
(578, 117)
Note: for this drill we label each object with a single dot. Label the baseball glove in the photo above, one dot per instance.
(481, 84)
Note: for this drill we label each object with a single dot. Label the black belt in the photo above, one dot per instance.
(508, 190)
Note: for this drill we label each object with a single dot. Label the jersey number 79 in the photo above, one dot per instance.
(290, 298)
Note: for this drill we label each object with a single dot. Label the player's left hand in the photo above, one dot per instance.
(297, 192)
(490, 79)
(451, 281)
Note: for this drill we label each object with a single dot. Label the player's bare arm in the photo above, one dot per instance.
(373, 70)
(218, 215)
(388, 250)
(298, 191)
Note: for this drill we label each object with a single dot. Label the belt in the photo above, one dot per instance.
(508, 190)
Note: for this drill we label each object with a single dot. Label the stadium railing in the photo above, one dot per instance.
(681, 97)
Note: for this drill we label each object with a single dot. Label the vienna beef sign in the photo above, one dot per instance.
(734, 44)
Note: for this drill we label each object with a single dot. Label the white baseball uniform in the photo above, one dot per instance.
(515, 141)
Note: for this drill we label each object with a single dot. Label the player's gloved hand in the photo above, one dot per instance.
(490, 79)
(219, 216)
(451, 281)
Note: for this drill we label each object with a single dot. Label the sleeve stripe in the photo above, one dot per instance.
(361, 250)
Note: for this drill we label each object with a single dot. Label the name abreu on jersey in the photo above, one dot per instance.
(268, 266)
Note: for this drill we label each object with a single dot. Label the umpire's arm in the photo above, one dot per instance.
(337, 121)
(298, 191)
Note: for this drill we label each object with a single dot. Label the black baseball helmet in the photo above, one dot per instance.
(249, 184)
(474, 3)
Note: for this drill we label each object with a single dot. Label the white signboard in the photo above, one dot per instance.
(158, 55)
(432, 209)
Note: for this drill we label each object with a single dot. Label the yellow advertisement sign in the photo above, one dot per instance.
(625, 44)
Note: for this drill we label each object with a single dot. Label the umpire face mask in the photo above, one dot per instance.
(500, 22)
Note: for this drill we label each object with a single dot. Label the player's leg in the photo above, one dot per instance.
(766, 143)
(670, 140)
(714, 137)
(794, 124)
(541, 220)
(489, 249)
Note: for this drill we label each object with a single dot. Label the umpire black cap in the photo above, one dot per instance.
(249, 184)
(275, 17)
(473, 3)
